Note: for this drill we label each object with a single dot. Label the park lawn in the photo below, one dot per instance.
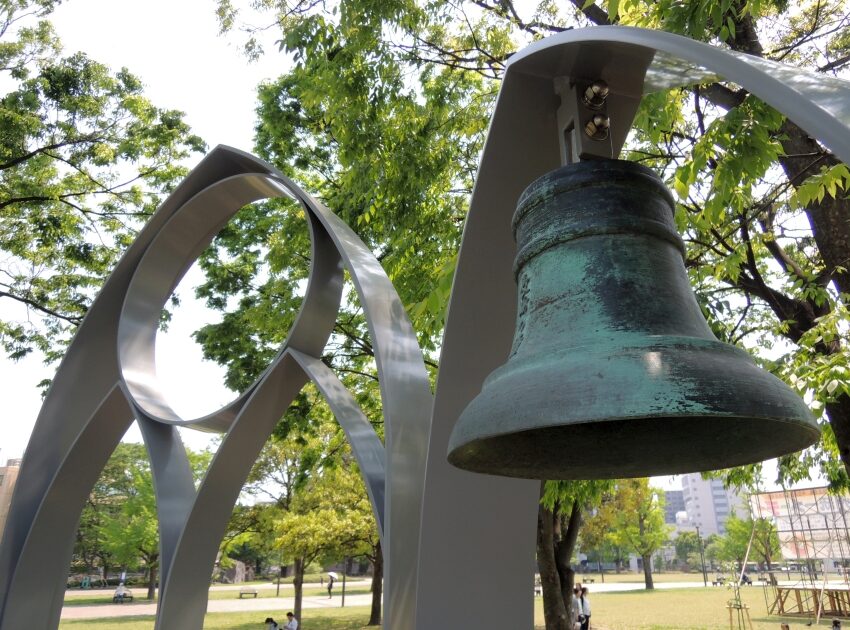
(314, 619)
(679, 609)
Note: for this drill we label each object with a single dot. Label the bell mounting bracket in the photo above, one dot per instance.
(586, 117)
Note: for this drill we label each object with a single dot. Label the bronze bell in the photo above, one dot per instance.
(614, 372)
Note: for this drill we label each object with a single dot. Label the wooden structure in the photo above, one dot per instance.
(743, 613)
(808, 601)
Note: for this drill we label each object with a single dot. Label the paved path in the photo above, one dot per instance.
(218, 605)
(288, 585)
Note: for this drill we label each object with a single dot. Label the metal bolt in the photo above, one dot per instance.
(597, 127)
(595, 94)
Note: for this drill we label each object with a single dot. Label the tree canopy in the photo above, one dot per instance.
(85, 158)
(385, 108)
(639, 521)
(119, 525)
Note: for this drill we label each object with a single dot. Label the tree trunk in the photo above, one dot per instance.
(830, 225)
(152, 581)
(647, 572)
(298, 585)
(564, 546)
(555, 614)
(377, 587)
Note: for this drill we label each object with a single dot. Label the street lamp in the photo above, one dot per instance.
(702, 558)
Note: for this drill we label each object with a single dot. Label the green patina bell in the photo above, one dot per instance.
(614, 372)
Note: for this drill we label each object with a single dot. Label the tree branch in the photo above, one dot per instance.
(595, 14)
(41, 307)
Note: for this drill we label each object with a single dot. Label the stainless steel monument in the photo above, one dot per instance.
(459, 546)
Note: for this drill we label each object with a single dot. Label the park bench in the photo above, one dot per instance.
(588, 580)
(248, 590)
(121, 599)
(718, 581)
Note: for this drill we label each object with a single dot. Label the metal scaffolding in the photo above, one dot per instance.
(814, 539)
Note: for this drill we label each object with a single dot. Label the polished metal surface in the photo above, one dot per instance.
(459, 546)
(120, 331)
(614, 371)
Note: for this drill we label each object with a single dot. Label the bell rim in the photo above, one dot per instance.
(702, 457)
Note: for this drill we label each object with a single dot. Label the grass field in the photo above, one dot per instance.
(680, 609)
(339, 619)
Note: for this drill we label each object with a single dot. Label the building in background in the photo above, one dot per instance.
(8, 478)
(674, 502)
(709, 504)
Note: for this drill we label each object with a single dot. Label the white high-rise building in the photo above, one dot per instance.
(709, 504)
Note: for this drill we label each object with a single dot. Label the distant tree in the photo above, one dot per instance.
(766, 546)
(319, 523)
(103, 504)
(595, 538)
(129, 530)
(732, 546)
(249, 537)
(687, 544)
(282, 466)
(711, 545)
(131, 534)
(361, 538)
(639, 522)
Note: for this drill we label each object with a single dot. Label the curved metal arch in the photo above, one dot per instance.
(198, 533)
(87, 375)
(407, 403)
(406, 397)
(818, 104)
(189, 520)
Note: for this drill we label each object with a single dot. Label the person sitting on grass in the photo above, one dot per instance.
(292, 623)
(271, 624)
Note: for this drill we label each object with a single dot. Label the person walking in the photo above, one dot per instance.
(330, 586)
(585, 609)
